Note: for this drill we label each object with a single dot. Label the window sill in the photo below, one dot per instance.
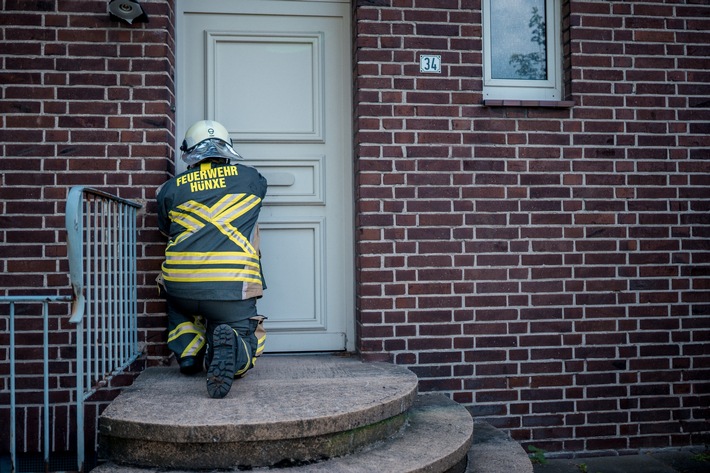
(529, 103)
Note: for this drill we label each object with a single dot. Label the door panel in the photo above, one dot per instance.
(277, 78)
(295, 182)
(276, 74)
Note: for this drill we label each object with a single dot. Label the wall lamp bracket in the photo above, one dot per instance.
(129, 11)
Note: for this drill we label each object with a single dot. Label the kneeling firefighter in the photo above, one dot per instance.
(212, 272)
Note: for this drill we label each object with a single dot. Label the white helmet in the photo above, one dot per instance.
(207, 139)
(204, 130)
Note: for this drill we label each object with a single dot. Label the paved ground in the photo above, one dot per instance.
(691, 460)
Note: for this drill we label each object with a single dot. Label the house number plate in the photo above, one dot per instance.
(430, 63)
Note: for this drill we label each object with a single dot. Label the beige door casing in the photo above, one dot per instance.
(276, 74)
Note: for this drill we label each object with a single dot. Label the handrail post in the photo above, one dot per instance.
(80, 396)
(45, 340)
(13, 420)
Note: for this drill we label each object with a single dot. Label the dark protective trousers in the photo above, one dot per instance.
(191, 324)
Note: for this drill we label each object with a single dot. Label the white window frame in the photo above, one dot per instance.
(518, 89)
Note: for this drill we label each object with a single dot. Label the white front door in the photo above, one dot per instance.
(276, 74)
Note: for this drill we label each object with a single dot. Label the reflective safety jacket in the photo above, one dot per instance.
(209, 213)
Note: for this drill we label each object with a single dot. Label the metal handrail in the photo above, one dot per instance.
(101, 247)
(45, 300)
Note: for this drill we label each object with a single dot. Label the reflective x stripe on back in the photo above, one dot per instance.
(194, 216)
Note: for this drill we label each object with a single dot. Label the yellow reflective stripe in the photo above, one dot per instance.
(180, 262)
(223, 221)
(186, 220)
(208, 258)
(195, 328)
(195, 254)
(213, 279)
(249, 363)
(226, 203)
(194, 347)
(260, 345)
(173, 263)
(187, 278)
(176, 272)
(221, 214)
(191, 225)
(236, 237)
(239, 207)
(197, 208)
(185, 328)
(211, 275)
(230, 205)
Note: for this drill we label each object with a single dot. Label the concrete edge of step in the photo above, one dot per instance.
(246, 416)
(493, 451)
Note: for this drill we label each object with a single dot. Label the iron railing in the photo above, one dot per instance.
(101, 248)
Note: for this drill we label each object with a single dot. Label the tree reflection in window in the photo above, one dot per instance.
(518, 52)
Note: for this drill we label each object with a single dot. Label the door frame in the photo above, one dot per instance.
(296, 8)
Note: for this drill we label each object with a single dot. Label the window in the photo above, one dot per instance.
(521, 50)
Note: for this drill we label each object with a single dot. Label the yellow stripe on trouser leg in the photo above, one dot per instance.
(187, 339)
(243, 356)
(260, 345)
(194, 347)
(258, 336)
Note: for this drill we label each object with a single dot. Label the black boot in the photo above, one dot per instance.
(191, 365)
(220, 373)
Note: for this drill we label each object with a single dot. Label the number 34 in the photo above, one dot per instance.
(429, 63)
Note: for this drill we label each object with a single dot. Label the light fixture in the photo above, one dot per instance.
(127, 10)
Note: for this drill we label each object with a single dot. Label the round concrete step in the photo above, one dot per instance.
(288, 410)
(436, 439)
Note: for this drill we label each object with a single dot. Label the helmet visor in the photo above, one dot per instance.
(213, 148)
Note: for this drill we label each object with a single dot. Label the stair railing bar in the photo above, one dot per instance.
(126, 285)
(118, 288)
(112, 313)
(45, 383)
(101, 338)
(133, 275)
(94, 248)
(92, 298)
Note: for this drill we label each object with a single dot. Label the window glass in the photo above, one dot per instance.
(518, 39)
(522, 50)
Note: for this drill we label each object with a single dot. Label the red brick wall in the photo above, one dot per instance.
(84, 101)
(548, 267)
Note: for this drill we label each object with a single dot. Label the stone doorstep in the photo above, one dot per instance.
(283, 397)
(436, 439)
(302, 407)
(319, 395)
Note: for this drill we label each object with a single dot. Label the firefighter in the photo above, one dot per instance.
(212, 272)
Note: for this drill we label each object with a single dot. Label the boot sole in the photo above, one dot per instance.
(220, 373)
